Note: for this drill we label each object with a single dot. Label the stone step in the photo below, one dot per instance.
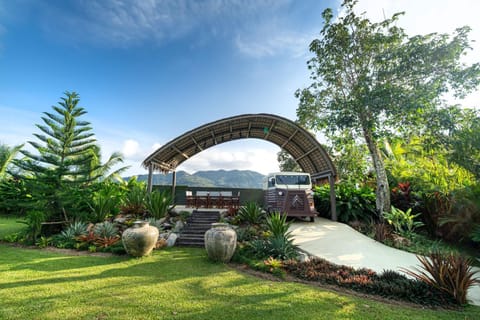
(190, 244)
(197, 224)
(193, 232)
(192, 237)
(205, 222)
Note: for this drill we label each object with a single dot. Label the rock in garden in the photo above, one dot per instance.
(179, 225)
(172, 238)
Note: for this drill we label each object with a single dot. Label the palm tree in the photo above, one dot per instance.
(102, 171)
(7, 154)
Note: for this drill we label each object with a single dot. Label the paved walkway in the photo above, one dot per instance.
(341, 244)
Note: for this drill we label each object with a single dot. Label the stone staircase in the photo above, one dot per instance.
(197, 224)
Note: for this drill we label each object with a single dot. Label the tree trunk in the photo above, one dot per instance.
(383, 189)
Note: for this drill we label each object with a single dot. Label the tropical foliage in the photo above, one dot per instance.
(352, 202)
(403, 222)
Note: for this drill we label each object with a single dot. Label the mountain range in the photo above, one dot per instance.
(210, 178)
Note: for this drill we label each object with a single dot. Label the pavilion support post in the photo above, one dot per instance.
(174, 184)
(333, 202)
(150, 177)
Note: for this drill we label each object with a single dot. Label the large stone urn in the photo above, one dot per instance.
(140, 239)
(220, 242)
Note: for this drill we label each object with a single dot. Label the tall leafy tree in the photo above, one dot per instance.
(372, 79)
(286, 162)
(63, 152)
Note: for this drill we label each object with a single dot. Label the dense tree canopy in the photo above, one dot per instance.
(373, 80)
(286, 162)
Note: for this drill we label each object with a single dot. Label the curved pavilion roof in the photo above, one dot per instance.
(298, 142)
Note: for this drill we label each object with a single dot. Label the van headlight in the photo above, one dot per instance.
(280, 193)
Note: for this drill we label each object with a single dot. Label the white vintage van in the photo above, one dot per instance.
(289, 193)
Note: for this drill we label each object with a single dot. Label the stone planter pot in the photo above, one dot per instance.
(220, 242)
(140, 239)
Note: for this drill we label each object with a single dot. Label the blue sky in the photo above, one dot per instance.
(147, 71)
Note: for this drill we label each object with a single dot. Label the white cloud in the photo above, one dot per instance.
(262, 45)
(155, 146)
(130, 148)
(238, 155)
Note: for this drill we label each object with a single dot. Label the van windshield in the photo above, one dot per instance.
(293, 180)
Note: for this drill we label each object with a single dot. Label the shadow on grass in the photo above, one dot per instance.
(171, 284)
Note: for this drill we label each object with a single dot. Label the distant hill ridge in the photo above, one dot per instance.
(210, 178)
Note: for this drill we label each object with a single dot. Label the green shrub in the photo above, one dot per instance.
(452, 216)
(44, 242)
(475, 234)
(402, 221)
(13, 195)
(105, 202)
(157, 203)
(134, 200)
(250, 213)
(352, 203)
(34, 220)
(277, 225)
(246, 233)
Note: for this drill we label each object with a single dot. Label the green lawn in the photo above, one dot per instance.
(171, 284)
(9, 225)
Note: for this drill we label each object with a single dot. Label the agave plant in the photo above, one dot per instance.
(76, 229)
(282, 247)
(250, 213)
(278, 226)
(105, 229)
(451, 273)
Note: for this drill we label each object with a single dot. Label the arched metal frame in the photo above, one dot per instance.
(298, 142)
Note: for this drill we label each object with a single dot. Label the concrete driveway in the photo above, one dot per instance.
(341, 244)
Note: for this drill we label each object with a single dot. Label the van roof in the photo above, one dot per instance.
(289, 173)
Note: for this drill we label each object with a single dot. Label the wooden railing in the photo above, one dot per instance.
(212, 199)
